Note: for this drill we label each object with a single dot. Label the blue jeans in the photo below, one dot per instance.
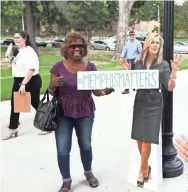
(83, 128)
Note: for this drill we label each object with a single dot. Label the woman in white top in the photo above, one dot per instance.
(25, 70)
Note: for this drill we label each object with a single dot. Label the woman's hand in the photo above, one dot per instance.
(176, 63)
(10, 58)
(182, 147)
(125, 64)
(56, 82)
(22, 89)
(107, 91)
(136, 60)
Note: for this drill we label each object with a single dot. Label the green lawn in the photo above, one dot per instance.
(48, 57)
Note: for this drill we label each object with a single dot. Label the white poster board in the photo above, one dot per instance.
(131, 79)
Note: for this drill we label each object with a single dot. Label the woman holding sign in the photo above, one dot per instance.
(148, 102)
(76, 108)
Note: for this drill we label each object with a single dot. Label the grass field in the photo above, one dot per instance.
(48, 57)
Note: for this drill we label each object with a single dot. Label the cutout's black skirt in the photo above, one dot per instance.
(147, 115)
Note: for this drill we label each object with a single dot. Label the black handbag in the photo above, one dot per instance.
(47, 116)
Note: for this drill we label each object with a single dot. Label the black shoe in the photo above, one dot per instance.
(140, 184)
(125, 92)
(146, 179)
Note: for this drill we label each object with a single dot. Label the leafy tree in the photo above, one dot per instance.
(11, 13)
(181, 17)
(35, 13)
(62, 19)
(112, 7)
(48, 15)
(90, 15)
(148, 11)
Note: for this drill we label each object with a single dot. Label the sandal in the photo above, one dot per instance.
(93, 182)
(65, 187)
(11, 134)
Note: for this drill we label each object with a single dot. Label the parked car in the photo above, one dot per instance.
(108, 45)
(57, 42)
(181, 43)
(39, 42)
(8, 42)
(180, 47)
(1, 41)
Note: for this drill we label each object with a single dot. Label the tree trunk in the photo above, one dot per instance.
(29, 19)
(86, 33)
(122, 26)
(89, 36)
(110, 27)
(37, 27)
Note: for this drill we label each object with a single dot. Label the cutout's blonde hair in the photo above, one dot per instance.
(147, 43)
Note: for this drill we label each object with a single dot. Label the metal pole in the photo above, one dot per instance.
(158, 11)
(23, 27)
(172, 166)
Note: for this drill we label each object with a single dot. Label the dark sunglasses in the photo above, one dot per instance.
(74, 46)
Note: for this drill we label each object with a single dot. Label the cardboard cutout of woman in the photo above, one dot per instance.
(148, 103)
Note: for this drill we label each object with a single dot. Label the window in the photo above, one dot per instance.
(103, 43)
(59, 40)
(98, 42)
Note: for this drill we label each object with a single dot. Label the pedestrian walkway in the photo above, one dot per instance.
(28, 163)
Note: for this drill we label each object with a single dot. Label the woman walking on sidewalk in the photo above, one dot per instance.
(76, 108)
(25, 70)
(148, 102)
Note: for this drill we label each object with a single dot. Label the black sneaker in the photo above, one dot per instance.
(125, 92)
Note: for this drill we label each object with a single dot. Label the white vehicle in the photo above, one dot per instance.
(1, 41)
(108, 45)
(180, 47)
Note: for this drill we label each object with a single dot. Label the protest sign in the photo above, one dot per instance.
(133, 79)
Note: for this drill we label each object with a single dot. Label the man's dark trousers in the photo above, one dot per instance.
(131, 61)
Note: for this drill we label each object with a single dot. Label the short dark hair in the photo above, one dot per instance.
(69, 37)
(131, 32)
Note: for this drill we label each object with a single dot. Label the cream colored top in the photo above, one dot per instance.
(26, 59)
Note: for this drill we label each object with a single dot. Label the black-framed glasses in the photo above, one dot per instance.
(74, 46)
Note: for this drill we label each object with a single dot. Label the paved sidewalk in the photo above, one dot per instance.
(28, 163)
